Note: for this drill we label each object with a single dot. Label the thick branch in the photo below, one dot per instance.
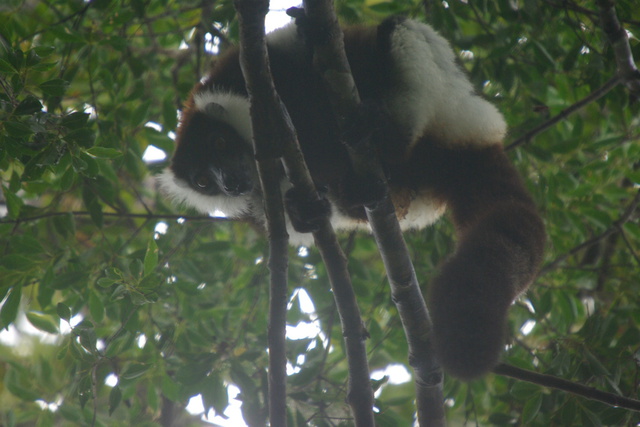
(331, 62)
(260, 87)
(264, 100)
(412, 309)
(567, 386)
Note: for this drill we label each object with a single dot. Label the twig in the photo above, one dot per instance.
(564, 4)
(594, 96)
(627, 73)
(148, 216)
(567, 386)
(79, 12)
(615, 227)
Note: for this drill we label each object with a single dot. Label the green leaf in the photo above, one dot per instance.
(134, 370)
(28, 106)
(140, 114)
(17, 262)
(214, 393)
(596, 366)
(105, 189)
(87, 334)
(96, 307)
(151, 257)
(113, 274)
(531, 408)
(44, 51)
(67, 179)
(9, 309)
(153, 398)
(75, 120)
(169, 111)
(45, 291)
(93, 169)
(6, 67)
(64, 312)
(17, 129)
(115, 396)
(105, 282)
(55, 87)
(120, 344)
(17, 383)
(170, 388)
(14, 203)
(32, 58)
(65, 224)
(104, 152)
(93, 206)
(42, 321)
(158, 139)
(75, 279)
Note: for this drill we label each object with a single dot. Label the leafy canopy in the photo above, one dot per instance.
(138, 310)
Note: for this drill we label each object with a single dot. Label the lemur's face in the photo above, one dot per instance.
(213, 159)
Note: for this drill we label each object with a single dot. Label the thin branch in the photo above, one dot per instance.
(619, 40)
(148, 216)
(564, 4)
(550, 381)
(629, 245)
(594, 96)
(627, 72)
(79, 12)
(615, 227)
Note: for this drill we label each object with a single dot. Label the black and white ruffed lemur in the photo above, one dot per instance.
(440, 145)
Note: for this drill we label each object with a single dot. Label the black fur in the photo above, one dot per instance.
(500, 235)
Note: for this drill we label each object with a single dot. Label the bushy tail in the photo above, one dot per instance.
(500, 244)
(469, 299)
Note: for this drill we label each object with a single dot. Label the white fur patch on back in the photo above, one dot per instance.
(236, 110)
(286, 38)
(433, 95)
(180, 192)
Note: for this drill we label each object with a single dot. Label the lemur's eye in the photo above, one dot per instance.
(202, 180)
(220, 143)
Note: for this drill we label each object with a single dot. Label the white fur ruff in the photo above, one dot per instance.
(180, 193)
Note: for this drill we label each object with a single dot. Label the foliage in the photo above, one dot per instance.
(118, 286)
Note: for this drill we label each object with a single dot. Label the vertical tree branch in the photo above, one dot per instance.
(406, 294)
(331, 62)
(266, 121)
(271, 126)
(619, 40)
